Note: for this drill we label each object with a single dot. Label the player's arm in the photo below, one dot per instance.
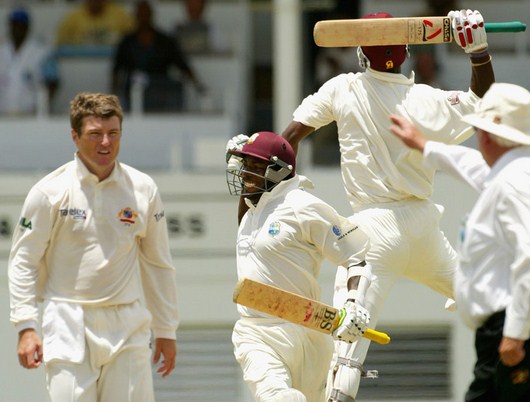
(470, 34)
(295, 132)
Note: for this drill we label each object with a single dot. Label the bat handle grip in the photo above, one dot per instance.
(376, 336)
(514, 26)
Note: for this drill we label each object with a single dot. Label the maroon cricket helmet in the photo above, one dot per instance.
(267, 146)
(385, 57)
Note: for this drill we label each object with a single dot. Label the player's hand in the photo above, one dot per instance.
(167, 349)
(468, 30)
(407, 132)
(29, 349)
(235, 143)
(354, 322)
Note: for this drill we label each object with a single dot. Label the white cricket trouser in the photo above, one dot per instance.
(276, 357)
(405, 241)
(117, 360)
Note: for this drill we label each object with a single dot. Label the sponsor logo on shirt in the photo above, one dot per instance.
(347, 233)
(26, 224)
(336, 230)
(127, 215)
(75, 213)
(274, 228)
(159, 215)
(453, 98)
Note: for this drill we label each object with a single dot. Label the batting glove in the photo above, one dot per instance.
(354, 322)
(235, 144)
(468, 30)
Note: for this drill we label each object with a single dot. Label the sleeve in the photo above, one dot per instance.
(316, 110)
(463, 163)
(514, 214)
(338, 239)
(158, 273)
(445, 125)
(26, 268)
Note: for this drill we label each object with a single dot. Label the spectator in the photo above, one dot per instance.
(146, 57)
(27, 67)
(95, 23)
(195, 34)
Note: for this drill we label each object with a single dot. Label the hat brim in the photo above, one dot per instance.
(499, 130)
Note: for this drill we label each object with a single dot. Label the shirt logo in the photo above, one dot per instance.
(75, 213)
(159, 215)
(453, 99)
(127, 215)
(336, 230)
(24, 223)
(274, 228)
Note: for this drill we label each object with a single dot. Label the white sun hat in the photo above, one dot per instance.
(504, 111)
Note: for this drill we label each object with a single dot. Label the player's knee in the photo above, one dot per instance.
(286, 395)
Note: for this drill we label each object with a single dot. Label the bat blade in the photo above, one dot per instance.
(294, 308)
(394, 31)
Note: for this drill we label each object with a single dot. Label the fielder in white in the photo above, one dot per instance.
(386, 183)
(91, 244)
(281, 241)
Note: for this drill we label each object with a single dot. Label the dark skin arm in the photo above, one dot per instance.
(482, 75)
(295, 132)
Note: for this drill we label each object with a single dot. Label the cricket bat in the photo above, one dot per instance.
(395, 31)
(294, 308)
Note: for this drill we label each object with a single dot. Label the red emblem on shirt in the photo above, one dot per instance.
(127, 215)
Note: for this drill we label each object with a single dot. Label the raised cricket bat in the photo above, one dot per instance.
(395, 31)
(294, 308)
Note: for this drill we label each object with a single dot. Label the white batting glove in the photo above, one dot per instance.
(235, 143)
(468, 30)
(354, 322)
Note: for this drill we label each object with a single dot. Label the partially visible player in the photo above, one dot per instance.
(386, 184)
(281, 241)
(491, 284)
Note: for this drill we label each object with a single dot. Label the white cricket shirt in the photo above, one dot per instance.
(89, 242)
(283, 240)
(494, 267)
(376, 166)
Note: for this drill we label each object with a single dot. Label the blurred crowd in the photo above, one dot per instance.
(144, 56)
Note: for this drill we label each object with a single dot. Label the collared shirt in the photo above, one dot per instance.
(494, 267)
(94, 243)
(376, 166)
(283, 240)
